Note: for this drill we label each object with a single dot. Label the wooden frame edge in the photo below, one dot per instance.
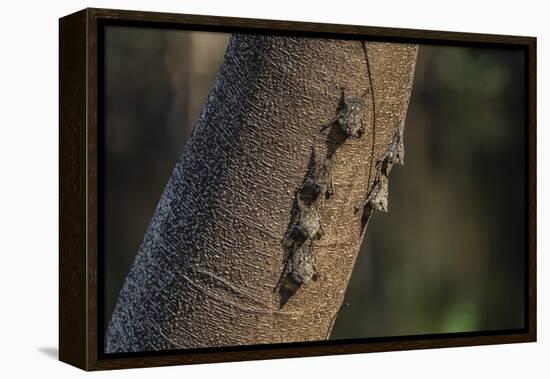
(532, 185)
(72, 189)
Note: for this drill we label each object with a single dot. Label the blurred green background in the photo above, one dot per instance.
(454, 259)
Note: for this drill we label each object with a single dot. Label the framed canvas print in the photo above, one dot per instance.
(236, 189)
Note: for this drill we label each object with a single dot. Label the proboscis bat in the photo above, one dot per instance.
(298, 244)
(349, 115)
(395, 153)
(378, 198)
(301, 265)
(299, 268)
(318, 180)
(307, 224)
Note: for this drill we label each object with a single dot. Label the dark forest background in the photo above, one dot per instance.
(450, 254)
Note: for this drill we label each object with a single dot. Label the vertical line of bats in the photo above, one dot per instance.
(305, 227)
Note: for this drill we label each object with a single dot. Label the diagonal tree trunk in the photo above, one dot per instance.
(215, 267)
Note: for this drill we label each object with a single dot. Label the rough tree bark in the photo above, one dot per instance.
(208, 268)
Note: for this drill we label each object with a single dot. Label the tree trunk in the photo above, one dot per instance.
(213, 267)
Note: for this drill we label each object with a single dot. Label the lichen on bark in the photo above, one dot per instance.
(213, 253)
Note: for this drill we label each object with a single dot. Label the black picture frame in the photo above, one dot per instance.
(80, 268)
